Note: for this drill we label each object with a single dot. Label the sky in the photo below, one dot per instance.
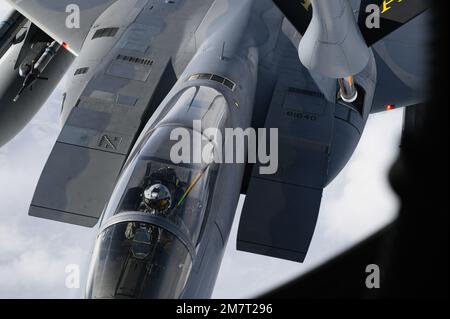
(34, 253)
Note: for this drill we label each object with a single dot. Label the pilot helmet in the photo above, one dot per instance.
(158, 198)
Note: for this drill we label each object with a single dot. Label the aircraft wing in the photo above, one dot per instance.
(51, 17)
(393, 15)
(403, 65)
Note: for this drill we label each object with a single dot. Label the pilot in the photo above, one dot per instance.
(157, 199)
(162, 189)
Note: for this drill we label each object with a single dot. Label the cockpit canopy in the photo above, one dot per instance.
(139, 261)
(145, 249)
(187, 185)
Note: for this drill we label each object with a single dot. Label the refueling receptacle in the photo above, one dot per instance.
(348, 90)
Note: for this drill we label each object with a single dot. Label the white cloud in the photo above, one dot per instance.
(4, 8)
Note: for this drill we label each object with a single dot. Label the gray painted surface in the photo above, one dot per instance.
(51, 17)
(333, 45)
(14, 116)
(138, 81)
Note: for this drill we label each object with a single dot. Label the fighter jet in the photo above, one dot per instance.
(138, 69)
